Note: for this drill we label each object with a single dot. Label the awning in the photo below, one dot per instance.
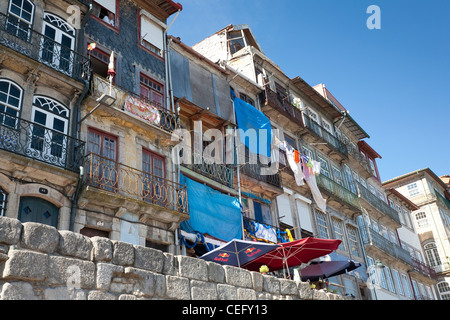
(294, 253)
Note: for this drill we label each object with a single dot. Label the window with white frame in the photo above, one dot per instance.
(398, 282)
(10, 103)
(421, 219)
(349, 178)
(406, 285)
(321, 220)
(408, 220)
(389, 279)
(324, 168)
(382, 277)
(432, 254)
(20, 18)
(107, 11)
(444, 290)
(338, 228)
(3, 200)
(413, 189)
(400, 214)
(352, 233)
(337, 175)
(416, 290)
(152, 35)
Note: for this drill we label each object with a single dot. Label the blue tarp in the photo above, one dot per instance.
(250, 119)
(212, 212)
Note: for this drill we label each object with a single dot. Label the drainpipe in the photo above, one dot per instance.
(76, 117)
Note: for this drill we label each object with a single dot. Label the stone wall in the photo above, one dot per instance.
(39, 262)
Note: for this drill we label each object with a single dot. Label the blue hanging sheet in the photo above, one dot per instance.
(250, 118)
(212, 212)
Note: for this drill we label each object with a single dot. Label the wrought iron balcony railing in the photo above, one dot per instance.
(371, 237)
(321, 132)
(263, 232)
(269, 97)
(423, 268)
(377, 203)
(335, 189)
(40, 143)
(24, 40)
(354, 152)
(114, 177)
(135, 105)
(255, 171)
(218, 172)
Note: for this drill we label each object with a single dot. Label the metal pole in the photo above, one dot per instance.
(237, 169)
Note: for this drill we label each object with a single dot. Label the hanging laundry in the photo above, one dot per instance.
(320, 201)
(296, 156)
(305, 167)
(316, 167)
(295, 167)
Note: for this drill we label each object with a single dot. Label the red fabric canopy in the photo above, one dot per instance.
(294, 253)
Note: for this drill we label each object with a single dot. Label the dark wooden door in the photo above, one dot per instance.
(32, 209)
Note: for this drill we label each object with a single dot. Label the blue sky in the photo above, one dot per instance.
(394, 81)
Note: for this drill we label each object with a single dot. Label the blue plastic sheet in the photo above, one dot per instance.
(212, 212)
(250, 119)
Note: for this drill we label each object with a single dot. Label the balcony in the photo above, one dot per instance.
(358, 160)
(339, 195)
(221, 173)
(257, 231)
(324, 140)
(33, 141)
(137, 110)
(380, 209)
(279, 110)
(42, 49)
(424, 269)
(256, 175)
(116, 186)
(376, 243)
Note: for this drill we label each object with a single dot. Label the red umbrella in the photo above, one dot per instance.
(294, 253)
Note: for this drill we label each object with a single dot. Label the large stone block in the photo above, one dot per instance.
(257, 280)
(170, 266)
(148, 259)
(238, 277)
(246, 294)
(105, 273)
(10, 230)
(64, 293)
(17, 291)
(71, 272)
(216, 273)
(146, 282)
(39, 237)
(201, 290)
(74, 245)
(178, 288)
(226, 292)
(123, 253)
(100, 295)
(304, 290)
(288, 287)
(271, 284)
(102, 249)
(192, 268)
(26, 265)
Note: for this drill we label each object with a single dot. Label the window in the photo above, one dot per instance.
(382, 277)
(390, 281)
(432, 254)
(236, 41)
(100, 61)
(58, 45)
(372, 167)
(91, 232)
(10, 103)
(48, 136)
(281, 92)
(337, 175)
(3, 200)
(262, 213)
(151, 35)
(406, 286)
(152, 91)
(247, 99)
(407, 216)
(416, 289)
(20, 18)
(291, 141)
(349, 178)
(398, 283)
(322, 225)
(353, 240)
(413, 190)
(421, 219)
(338, 228)
(444, 290)
(324, 169)
(106, 11)
(393, 237)
(104, 149)
(308, 152)
(153, 166)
